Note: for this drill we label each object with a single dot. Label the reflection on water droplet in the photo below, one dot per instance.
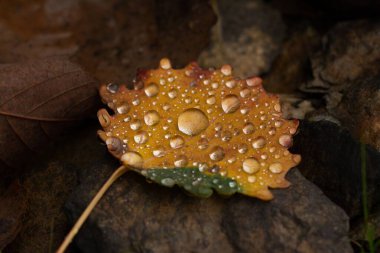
(216, 153)
(275, 168)
(192, 121)
(141, 137)
(251, 165)
(176, 142)
(151, 90)
(230, 104)
(151, 118)
(132, 159)
(259, 142)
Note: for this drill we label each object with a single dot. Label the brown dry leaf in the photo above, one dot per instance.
(38, 100)
(12, 207)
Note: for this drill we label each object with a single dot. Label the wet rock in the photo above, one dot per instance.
(248, 36)
(331, 159)
(136, 216)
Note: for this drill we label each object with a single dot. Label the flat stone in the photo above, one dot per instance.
(136, 216)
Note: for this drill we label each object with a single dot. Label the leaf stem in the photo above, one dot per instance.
(119, 172)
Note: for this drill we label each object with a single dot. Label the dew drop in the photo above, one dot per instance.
(181, 161)
(112, 87)
(165, 63)
(214, 85)
(216, 153)
(230, 104)
(243, 148)
(202, 143)
(132, 159)
(248, 128)
(135, 124)
(151, 90)
(169, 182)
(278, 123)
(159, 151)
(251, 165)
(192, 121)
(211, 100)
(277, 107)
(176, 142)
(285, 140)
(231, 160)
(151, 118)
(245, 93)
(259, 142)
(226, 70)
(136, 101)
(231, 84)
(166, 107)
(226, 136)
(123, 109)
(275, 168)
(141, 137)
(172, 93)
(251, 179)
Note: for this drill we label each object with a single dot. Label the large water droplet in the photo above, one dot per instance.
(230, 104)
(216, 153)
(192, 121)
(275, 168)
(259, 142)
(151, 118)
(141, 137)
(181, 161)
(176, 142)
(132, 159)
(251, 165)
(151, 90)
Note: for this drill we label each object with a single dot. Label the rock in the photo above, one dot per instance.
(248, 36)
(350, 51)
(331, 159)
(135, 216)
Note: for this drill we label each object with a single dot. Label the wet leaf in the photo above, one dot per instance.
(38, 101)
(203, 130)
(12, 207)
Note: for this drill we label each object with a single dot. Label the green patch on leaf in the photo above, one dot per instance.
(192, 180)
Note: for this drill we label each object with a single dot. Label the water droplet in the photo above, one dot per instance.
(211, 100)
(231, 160)
(231, 84)
(259, 142)
(230, 104)
(214, 85)
(285, 140)
(115, 146)
(151, 90)
(181, 161)
(151, 118)
(278, 123)
(112, 87)
(244, 111)
(296, 158)
(251, 165)
(272, 131)
(176, 142)
(166, 107)
(165, 63)
(127, 119)
(226, 136)
(135, 124)
(277, 107)
(169, 182)
(243, 148)
(248, 128)
(202, 167)
(216, 153)
(245, 93)
(173, 93)
(251, 179)
(132, 159)
(226, 70)
(188, 100)
(192, 121)
(232, 184)
(275, 168)
(159, 151)
(136, 101)
(141, 137)
(254, 81)
(123, 109)
(202, 143)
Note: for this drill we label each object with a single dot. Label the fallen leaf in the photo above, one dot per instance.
(38, 101)
(13, 206)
